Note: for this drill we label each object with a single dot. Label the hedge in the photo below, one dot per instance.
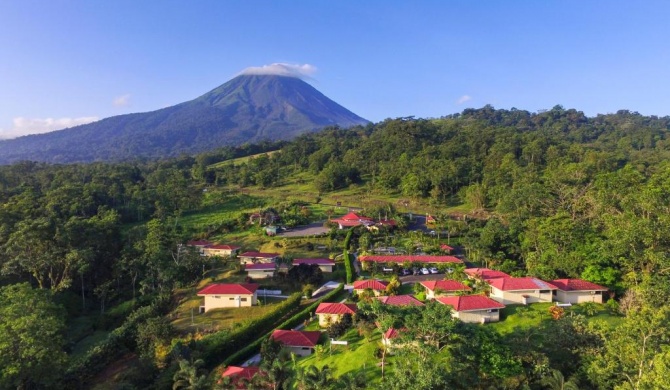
(222, 343)
(297, 319)
(347, 259)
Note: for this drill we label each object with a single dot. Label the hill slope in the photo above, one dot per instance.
(248, 108)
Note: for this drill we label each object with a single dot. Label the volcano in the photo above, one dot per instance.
(246, 109)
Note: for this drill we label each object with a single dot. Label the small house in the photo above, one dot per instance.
(301, 343)
(473, 308)
(240, 376)
(228, 295)
(326, 265)
(578, 291)
(437, 288)
(330, 313)
(199, 245)
(521, 290)
(257, 257)
(260, 270)
(220, 250)
(377, 286)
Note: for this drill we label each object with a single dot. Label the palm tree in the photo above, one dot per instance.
(556, 381)
(278, 372)
(188, 377)
(314, 378)
(350, 381)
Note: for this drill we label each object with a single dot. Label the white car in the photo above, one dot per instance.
(424, 271)
(433, 270)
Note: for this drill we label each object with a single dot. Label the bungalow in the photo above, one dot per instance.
(326, 265)
(577, 291)
(473, 308)
(257, 257)
(260, 270)
(485, 273)
(301, 343)
(199, 245)
(446, 248)
(521, 290)
(436, 288)
(352, 219)
(228, 295)
(330, 313)
(377, 286)
(402, 259)
(240, 375)
(220, 250)
(400, 300)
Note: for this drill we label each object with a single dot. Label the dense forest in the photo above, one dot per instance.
(553, 194)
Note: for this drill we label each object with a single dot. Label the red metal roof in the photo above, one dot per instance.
(391, 333)
(233, 289)
(486, 273)
(354, 217)
(296, 338)
(445, 285)
(259, 255)
(313, 261)
(224, 246)
(446, 247)
(470, 302)
(370, 283)
(336, 308)
(411, 259)
(259, 266)
(516, 284)
(400, 300)
(577, 285)
(239, 373)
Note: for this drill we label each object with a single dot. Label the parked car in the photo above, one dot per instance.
(386, 269)
(434, 270)
(405, 272)
(424, 271)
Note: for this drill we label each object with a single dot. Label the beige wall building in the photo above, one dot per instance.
(228, 295)
(578, 291)
(521, 290)
(330, 313)
(473, 308)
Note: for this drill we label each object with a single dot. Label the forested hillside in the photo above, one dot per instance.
(552, 194)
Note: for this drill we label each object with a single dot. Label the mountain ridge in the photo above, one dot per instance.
(247, 108)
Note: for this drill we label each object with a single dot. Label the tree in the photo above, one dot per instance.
(556, 381)
(314, 378)
(190, 376)
(31, 339)
(278, 372)
(351, 381)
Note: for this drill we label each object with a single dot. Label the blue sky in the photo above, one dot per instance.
(68, 62)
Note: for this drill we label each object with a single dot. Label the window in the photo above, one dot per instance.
(216, 296)
(544, 291)
(243, 299)
(231, 299)
(492, 311)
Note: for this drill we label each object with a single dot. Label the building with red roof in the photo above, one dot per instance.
(257, 257)
(578, 291)
(377, 286)
(402, 259)
(446, 248)
(222, 250)
(261, 270)
(228, 295)
(437, 288)
(326, 265)
(330, 313)
(241, 375)
(400, 300)
(473, 308)
(485, 273)
(352, 219)
(301, 343)
(521, 290)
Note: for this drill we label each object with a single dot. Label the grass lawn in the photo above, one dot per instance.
(217, 318)
(525, 317)
(358, 355)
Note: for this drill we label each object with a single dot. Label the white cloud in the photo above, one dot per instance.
(26, 126)
(463, 99)
(121, 101)
(304, 71)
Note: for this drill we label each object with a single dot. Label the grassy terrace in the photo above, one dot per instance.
(358, 355)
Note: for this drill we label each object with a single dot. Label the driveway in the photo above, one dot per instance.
(313, 229)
